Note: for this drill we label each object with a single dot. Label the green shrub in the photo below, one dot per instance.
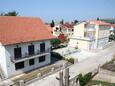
(55, 42)
(71, 60)
(56, 55)
(83, 80)
(59, 46)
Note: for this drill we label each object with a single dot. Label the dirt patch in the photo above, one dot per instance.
(110, 65)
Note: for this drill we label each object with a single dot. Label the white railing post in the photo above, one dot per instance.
(21, 82)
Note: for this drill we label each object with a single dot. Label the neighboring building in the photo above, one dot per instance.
(90, 35)
(113, 28)
(66, 29)
(24, 45)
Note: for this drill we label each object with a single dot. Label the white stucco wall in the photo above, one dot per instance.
(101, 35)
(8, 53)
(3, 63)
(79, 30)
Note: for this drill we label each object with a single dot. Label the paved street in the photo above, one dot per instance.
(82, 67)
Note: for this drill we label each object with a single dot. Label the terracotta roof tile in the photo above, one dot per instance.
(22, 29)
(100, 22)
(67, 26)
(113, 25)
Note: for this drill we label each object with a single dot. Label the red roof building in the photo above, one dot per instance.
(22, 29)
(99, 22)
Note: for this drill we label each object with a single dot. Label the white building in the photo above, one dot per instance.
(24, 45)
(66, 29)
(90, 35)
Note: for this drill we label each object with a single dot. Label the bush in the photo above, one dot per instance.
(112, 37)
(83, 80)
(71, 60)
(56, 55)
(55, 42)
(59, 46)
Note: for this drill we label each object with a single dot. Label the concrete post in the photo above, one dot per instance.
(67, 77)
(61, 78)
(64, 65)
(98, 68)
(39, 75)
(52, 69)
(21, 82)
(78, 84)
(96, 36)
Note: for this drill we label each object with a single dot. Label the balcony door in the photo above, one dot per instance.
(42, 47)
(17, 52)
(31, 49)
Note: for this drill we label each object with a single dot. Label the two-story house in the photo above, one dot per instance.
(66, 29)
(91, 34)
(24, 45)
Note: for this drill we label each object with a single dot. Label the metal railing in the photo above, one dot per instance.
(27, 55)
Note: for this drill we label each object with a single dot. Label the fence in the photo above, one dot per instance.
(108, 45)
(40, 76)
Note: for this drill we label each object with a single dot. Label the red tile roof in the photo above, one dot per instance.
(22, 29)
(49, 28)
(67, 26)
(113, 25)
(99, 22)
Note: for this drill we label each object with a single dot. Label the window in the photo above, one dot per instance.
(42, 47)
(57, 29)
(19, 65)
(41, 58)
(60, 29)
(31, 62)
(17, 52)
(31, 49)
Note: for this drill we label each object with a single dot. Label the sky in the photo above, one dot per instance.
(61, 9)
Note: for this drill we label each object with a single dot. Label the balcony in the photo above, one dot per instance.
(26, 56)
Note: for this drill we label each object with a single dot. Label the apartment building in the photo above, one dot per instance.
(90, 34)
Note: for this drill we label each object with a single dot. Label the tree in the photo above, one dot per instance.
(62, 21)
(12, 13)
(75, 21)
(52, 24)
(112, 37)
(98, 18)
(55, 42)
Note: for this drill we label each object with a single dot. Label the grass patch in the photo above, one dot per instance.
(97, 82)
